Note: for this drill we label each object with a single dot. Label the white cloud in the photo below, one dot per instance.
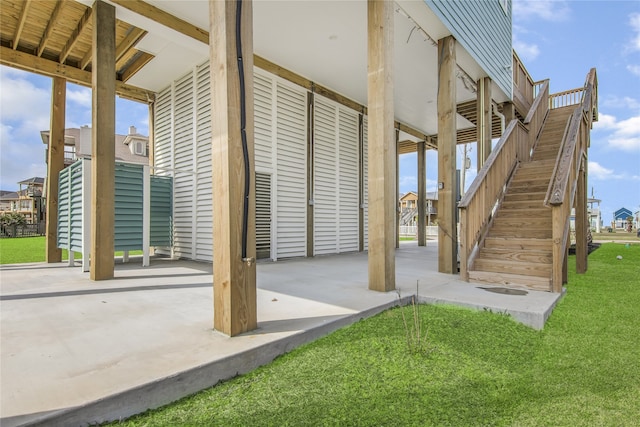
(634, 23)
(527, 52)
(625, 134)
(634, 69)
(598, 171)
(548, 10)
(625, 102)
(81, 96)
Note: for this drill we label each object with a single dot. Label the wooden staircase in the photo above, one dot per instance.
(517, 249)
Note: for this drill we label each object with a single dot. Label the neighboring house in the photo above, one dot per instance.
(620, 218)
(408, 204)
(26, 201)
(130, 148)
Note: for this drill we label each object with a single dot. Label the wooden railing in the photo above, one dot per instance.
(485, 193)
(523, 86)
(566, 98)
(564, 179)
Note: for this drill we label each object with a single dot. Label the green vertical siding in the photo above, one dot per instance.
(483, 28)
(128, 207)
(63, 208)
(161, 210)
(75, 207)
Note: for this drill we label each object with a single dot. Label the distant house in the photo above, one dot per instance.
(620, 217)
(26, 201)
(408, 205)
(130, 148)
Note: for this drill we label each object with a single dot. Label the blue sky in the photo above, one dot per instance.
(558, 40)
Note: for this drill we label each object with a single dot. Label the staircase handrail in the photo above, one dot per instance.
(564, 179)
(481, 199)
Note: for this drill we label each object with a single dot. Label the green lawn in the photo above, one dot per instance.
(480, 369)
(31, 249)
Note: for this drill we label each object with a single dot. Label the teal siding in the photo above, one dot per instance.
(128, 207)
(161, 209)
(63, 208)
(75, 207)
(484, 30)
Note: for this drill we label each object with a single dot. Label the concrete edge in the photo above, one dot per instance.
(174, 387)
(533, 319)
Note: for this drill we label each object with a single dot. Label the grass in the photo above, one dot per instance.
(32, 249)
(482, 368)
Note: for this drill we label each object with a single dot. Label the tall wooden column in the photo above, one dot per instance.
(422, 194)
(447, 232)
(234, 278)
(382, 152)
(582, 222)
(55, 163)
(483, 128)
(102, 145)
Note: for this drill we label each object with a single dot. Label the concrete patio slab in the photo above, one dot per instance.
(75, 352)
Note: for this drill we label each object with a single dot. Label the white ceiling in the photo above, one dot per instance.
(324, 41)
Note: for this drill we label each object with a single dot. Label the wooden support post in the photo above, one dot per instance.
(55, 163)
(483, 128)
(396, 205)
(447, 232)
(102, 144)
(582, 222)
(382, 200)
(422, 194)
(234, 278)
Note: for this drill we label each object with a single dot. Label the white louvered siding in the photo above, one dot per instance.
(203, 206)
(365, 180)
(183, 104)
(348, 141)
(325, 186)
(263, 123)
(162, 147)
(291, 167)
(163, 142)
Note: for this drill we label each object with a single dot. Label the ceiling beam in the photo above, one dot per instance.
(53, 21)
(20, 26)
(31, 63)
(132, 38)
(164, 18)
(76, 34)
(142, 59)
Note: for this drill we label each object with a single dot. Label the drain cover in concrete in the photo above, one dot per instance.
(505, 291)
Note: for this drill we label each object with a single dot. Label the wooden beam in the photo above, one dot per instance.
(75, 35)
(234, 280)
(27, 62)
(382, 200)
(158, 15)
(102, 149)
(483, 126)
(53, 21)
(20, 25)
(131, 39)
(55, 163)
(142, 59)
(422, 195)
(447, 230)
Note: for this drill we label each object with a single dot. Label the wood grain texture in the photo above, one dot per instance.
(483, 128)
(234, 281)
(55, 163)
(422, 194)
(103, 149)
(382, 141)
(447, 232)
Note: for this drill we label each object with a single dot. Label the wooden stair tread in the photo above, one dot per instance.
(514, 280)
(521, 243)
(524, 268)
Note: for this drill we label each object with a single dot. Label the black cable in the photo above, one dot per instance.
(243, 130)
